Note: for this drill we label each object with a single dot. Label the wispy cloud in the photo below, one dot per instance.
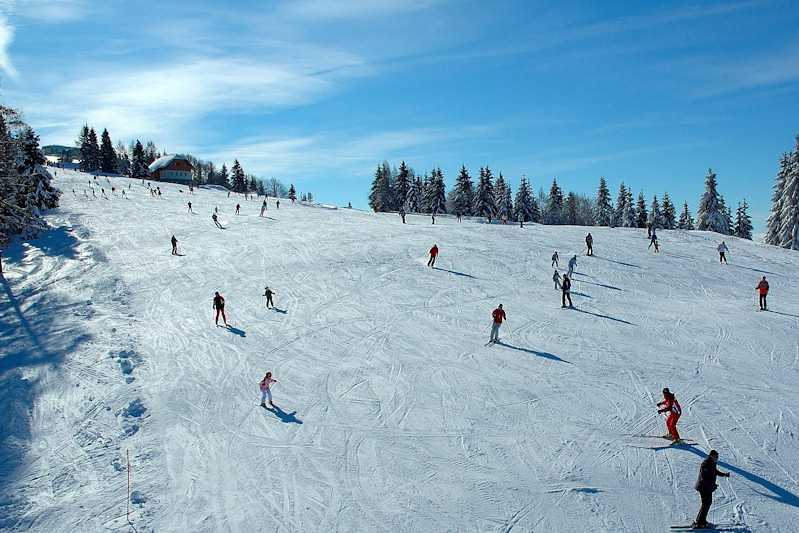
(6, 38)
(325, 9)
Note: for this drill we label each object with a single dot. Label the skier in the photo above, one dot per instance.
(402, 215)
(556, 279)
(216, 220)
(499, 315)
(458, 216)
(657, 247)
(504, 220)
(722, 248)
(762, 288)
(263, 208)
(433, 215)
(174, 245)
(103, 193)
(219, 305)
(672, 406)
(433, 254)
(572, 264)
(268, 293)
(566, 286)
(705, 485)
(266, 391)
(589, 242)
(652, 239)
(123, 194)
(277, 204)
(555, 260)
(190, 210)
(238, 208)
(521, 220)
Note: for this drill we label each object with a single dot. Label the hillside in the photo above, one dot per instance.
(393, 413)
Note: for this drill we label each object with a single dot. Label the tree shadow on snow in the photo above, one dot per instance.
(533, 352)
(58, 241)
(602, 316)
(286, 418)
(773, 491)
(456, 273)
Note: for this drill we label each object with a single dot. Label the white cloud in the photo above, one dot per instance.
(325, 9)
(6, 38)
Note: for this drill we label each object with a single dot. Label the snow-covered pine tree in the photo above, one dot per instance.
(413, 202)
(686, 221)
(668, 212)
(709, 213)
(504, 201)
(485, 204)
(238, 181)
(553, 211)
(438, 193)
(570, 209)
(525, 203)
(641, 214)
(655, 219)
(12, 216)
(774, 221)
(108, 156)
(629, 215)
(403, 186)
(123, 159)
(621, 202)
(223, 178)
(139, 167)
(89, 149)
(789, 215)
(463, 192)
(37, 192)
(603, 209)
(743, 223)
(380, 195)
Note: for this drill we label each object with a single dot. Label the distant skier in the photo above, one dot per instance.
(652, 239)
(657, 246)
(555, 260)
(504, 220)
(402, 215)
(671, 406)
(498, 315)
(219, 305)
(123, 194)
(433, 216)
(556, 279)
(266, 389)
(705, 485)
(762, 288)
(103, 193)
(723, 248)
(572, 265)
(565, 287)
(521, 220)
(263, 208)
(458, 216)
(268, 294)
(277, 204)
(190, 209)
(238, 208)
(174, 245)
(589, 242)
(433, 255)
(216, 220)
(649, 230)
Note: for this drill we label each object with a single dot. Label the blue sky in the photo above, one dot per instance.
(319, 92)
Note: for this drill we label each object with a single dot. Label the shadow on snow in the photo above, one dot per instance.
(533, 352)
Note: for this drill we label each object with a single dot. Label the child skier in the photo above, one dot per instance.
(555, 260)
(556, 279)
(219, 305)
(266, 391)
(671, 406)
(572, 264)
(268, 294)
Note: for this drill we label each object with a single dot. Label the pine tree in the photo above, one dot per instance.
(413, 202)
(621, 203)
(504, 201)
(655, 219)
(789, 215)
(463, 192)
(709, 214)
(525, 203)
(774, 222)
(89, 149)
(139, 168)
(570, 209)
(403, 187)
(553, 212)
(108, 156)
(668, 212)
(123, 159)
(603, 208)
(380, 196)
(686, 221)
(743, 223)
(437, 193)
(238, 181)
(629, 215)
(485, 203)
(641, 214)
(223, 178)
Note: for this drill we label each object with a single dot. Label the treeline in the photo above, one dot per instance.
(25, 188)
(134, 159)
(492, 197)
(782, 226)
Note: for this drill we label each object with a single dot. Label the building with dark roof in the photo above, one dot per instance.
(171, 168)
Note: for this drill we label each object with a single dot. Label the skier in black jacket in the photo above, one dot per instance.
(705, 485)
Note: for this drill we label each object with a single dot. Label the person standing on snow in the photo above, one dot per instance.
(266, 389)
(722, 248)
(238, 208)
(219, 305)
(589, 242)
(671, 406)
(556, 279)
(433, 255)
(268, 294)
(263, 208)
(566, 286)
(705, 485)
(190, 210)
(174, 245)
(762, 288)
(555, 260)
(652, 239)
(572, 264)
(402, 214)
(498, 315)
(521, 220)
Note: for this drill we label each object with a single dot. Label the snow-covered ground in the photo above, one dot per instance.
(393, 413)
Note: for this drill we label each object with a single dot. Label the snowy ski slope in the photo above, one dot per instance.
(393, 413)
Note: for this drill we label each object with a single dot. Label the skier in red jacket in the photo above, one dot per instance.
(498, 315)
(433, 254)
(671, 406)
(762, 288)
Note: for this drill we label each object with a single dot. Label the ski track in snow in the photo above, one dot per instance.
(392, 413)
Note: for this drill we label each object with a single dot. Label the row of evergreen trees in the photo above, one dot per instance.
(782, 226)
(133, 160)
(25, 188)
(395, 189)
